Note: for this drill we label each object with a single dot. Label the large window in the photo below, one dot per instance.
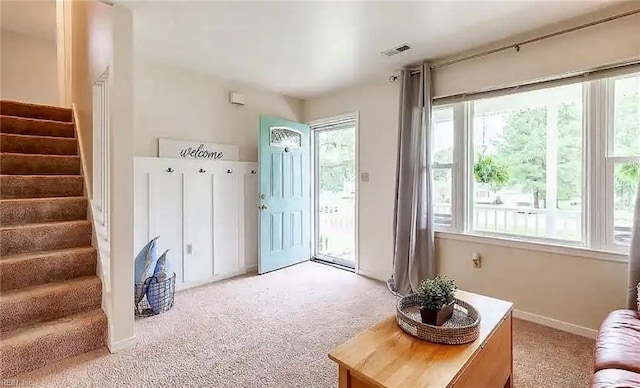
(557, 164)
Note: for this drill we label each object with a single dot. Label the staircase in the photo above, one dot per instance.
(50, 296)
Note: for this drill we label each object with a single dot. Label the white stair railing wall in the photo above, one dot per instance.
(101, 183)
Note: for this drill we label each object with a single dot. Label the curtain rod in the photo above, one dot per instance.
(518, 45)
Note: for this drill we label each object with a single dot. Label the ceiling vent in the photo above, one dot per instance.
(396, 50)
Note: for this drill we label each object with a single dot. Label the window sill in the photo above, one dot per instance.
(537, 246)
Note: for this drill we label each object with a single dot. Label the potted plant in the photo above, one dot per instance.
(436, 300)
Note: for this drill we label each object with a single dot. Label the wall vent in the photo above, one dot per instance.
(396, 50)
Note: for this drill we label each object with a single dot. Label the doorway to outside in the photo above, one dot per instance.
(335, 190)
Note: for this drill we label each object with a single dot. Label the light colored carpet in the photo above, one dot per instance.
(275, 330)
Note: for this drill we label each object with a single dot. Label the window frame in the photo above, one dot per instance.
(609, 162)
(469, 128)
(598, 165)
(457, 169)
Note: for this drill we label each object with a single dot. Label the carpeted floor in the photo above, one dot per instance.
(275, 330)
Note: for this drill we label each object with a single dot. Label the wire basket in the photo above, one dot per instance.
(154, 296)
(463, 326)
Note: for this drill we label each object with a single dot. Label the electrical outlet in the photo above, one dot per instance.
(189, 249)
(477, 260)
(364, 176)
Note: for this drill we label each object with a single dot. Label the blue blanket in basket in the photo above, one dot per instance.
(159, 291)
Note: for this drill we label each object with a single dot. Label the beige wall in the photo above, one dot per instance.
(549, 287)
(92, 53)
(377, 104)
(601, 45)
(29, 68)
(178, 103)
(574, 289)
(568, 288)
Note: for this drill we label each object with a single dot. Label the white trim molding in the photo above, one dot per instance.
(252, 270)
(534, 245)
(316, 126)
(100, 193)
(118, 346)
(556, 324)
(372, 274)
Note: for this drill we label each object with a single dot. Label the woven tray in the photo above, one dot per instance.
(463, 326)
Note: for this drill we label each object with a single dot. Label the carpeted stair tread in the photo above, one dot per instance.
(25, 126)
(32, 347)
(32, 144)
(46, 302)
(39, 210)
(40, 186)
(35, 111)
(36, 164)
(51, 296)
(19, 239)
(33, 255)
(26, 270)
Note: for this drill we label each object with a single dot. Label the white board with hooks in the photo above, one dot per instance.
(205, 213)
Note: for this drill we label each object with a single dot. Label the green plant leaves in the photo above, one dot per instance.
(487, 170)
(435, 293)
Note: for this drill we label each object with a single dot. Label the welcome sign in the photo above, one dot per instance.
(183, 149)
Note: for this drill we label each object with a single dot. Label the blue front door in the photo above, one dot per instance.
(285, 194)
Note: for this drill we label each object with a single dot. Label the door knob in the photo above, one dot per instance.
(263, 207)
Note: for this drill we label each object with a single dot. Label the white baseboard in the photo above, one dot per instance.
(526, 316)
(243, 271)
(372, 275)
(556, 324)
(117, 346)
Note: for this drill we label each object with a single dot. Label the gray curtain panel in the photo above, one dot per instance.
(634, 257)
(414, 247)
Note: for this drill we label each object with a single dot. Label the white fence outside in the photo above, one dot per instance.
(337, 224)
(336, 227)
(528, 221)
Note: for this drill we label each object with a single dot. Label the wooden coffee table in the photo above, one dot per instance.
(385, 356)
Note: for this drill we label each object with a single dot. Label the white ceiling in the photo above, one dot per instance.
(302, 49)
(29, 17)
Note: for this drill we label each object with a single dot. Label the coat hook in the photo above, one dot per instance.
(170, 169)
(253, 172)
(229, 171)
(202, 171)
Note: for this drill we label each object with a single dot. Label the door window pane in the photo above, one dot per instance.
(283, 137)
(627, 116)
(336, 195)
(528, 163)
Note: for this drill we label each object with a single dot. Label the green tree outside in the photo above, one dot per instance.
(337, 159)
(522, 147)
(627, 132)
